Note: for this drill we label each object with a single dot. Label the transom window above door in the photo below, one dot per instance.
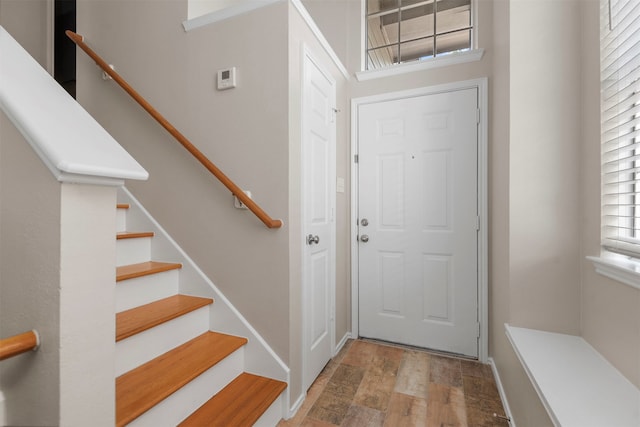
(400, 31)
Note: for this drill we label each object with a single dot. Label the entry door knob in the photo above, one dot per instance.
(364, 238)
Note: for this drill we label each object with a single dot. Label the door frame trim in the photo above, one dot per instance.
(482, 85)
(306, 53)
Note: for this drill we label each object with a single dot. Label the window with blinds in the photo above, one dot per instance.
(620, 127)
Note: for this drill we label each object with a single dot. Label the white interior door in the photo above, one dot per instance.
(418, 221)
(318, 153)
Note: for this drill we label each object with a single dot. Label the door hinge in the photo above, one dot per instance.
(334, 113)
(477, 116)
(478, 223)
(478, 330)
(355, 158)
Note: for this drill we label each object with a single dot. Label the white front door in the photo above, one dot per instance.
(318, 154)
(418, 221)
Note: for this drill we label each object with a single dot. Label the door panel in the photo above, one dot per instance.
(436, 200)
(391, 273)
(418, 189)
(437, 284)
(318, 155)
(391, 171)
(320, 282)
(318, 196)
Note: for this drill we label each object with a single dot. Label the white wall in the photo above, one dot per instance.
(333, 19)
(28, 237)
(545, 135)
(544, 204)
(29, 279)
(57, 268)
(28, 22)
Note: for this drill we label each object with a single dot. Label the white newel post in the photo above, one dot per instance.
(87, 311)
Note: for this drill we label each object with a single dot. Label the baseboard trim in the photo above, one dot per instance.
(300, 400)
(341, 344)
(293, 410)
(503, 395)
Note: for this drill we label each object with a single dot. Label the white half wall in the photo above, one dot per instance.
(57, 263)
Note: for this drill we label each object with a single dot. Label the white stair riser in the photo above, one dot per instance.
(133, 251)
(183, 402)
(137, 350)
(143, 290)
(272, 416)
(141, 348)
(121, 220)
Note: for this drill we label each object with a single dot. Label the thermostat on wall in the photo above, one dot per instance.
(227, 78)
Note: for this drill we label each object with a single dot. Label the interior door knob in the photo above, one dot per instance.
(311, 239)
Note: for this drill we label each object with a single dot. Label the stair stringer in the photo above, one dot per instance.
(260, 359)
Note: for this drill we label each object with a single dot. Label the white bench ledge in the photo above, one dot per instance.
(67, 139)
(577, 385)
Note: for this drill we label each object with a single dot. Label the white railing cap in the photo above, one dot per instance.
(68, 140)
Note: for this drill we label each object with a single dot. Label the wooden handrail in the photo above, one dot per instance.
(235, 190)
(19, 344)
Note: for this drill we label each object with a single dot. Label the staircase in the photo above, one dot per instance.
(171, 368)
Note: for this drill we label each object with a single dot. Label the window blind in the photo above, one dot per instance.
(620, 127)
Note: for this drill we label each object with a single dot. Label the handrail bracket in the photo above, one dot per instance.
(235, 190)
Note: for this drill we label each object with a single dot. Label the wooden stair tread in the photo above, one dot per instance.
(136, 320)
(145, 386)
(133, 234)
(239, 404)
(131, 271)
(122, 206)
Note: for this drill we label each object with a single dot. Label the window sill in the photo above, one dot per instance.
(618, 267)
(442, 61)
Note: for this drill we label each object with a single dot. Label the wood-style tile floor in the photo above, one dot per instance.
(372, 384)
